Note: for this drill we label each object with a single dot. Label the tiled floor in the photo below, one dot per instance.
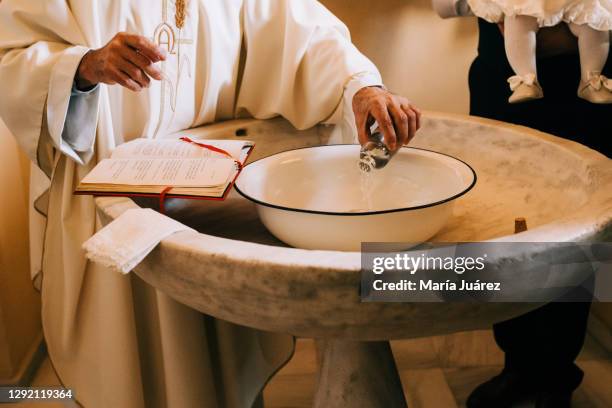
(436, 372)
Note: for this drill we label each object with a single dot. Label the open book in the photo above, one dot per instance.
(190, 168)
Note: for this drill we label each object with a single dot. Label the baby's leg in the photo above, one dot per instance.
(520, 38)
(594, 46)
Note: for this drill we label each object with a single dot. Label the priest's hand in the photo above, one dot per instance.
(397, 118)
(127, 60)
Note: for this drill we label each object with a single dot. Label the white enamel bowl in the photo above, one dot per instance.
(312, 198)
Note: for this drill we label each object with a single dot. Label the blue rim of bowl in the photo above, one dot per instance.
(351, 214)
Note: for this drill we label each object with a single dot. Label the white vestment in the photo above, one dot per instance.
(114, 340)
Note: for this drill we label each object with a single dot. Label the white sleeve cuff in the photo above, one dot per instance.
(452, 8)
(76, 91)
(360, 81)
(80, 126)
(69, 120)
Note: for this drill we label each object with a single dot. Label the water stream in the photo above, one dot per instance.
(366, 186)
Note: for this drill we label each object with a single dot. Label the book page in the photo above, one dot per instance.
(174, 148)
(203, 172)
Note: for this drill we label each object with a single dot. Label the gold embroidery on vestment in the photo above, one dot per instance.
(170, 39)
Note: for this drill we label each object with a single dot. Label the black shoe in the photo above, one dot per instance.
(507, 390)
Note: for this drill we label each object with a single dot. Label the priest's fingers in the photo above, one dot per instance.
(144, 46)
(136, 74)
(413, 111)
(362, 105)
(385, 123)
(401, 121)
(419, 114)
(413, 121)
(142, 62)
(363, 121)
(412, 124)
(124, 80)
(363, 129)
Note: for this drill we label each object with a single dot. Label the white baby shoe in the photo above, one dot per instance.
(598, 89)
(524, 88)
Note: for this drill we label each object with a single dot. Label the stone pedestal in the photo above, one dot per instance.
(358, 375)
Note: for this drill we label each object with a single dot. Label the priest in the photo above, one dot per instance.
(79, 77)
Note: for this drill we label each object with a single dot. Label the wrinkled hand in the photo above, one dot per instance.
(397, 118)
(127, 60)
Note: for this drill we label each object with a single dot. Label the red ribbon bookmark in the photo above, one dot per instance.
(212, 148)
(162, 200)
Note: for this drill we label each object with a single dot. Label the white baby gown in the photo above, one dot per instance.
(596, 13)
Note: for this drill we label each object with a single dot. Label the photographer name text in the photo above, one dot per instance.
(431, 285)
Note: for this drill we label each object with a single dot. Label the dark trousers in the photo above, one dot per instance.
(560, 112)
(543, 344)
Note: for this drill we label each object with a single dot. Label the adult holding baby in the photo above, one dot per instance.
(541, 346)
(589, 20)
(560, 67)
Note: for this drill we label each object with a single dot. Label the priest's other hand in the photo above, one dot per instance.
(127, 60)
(397, 118)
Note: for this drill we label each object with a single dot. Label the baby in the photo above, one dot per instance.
(589, 20)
